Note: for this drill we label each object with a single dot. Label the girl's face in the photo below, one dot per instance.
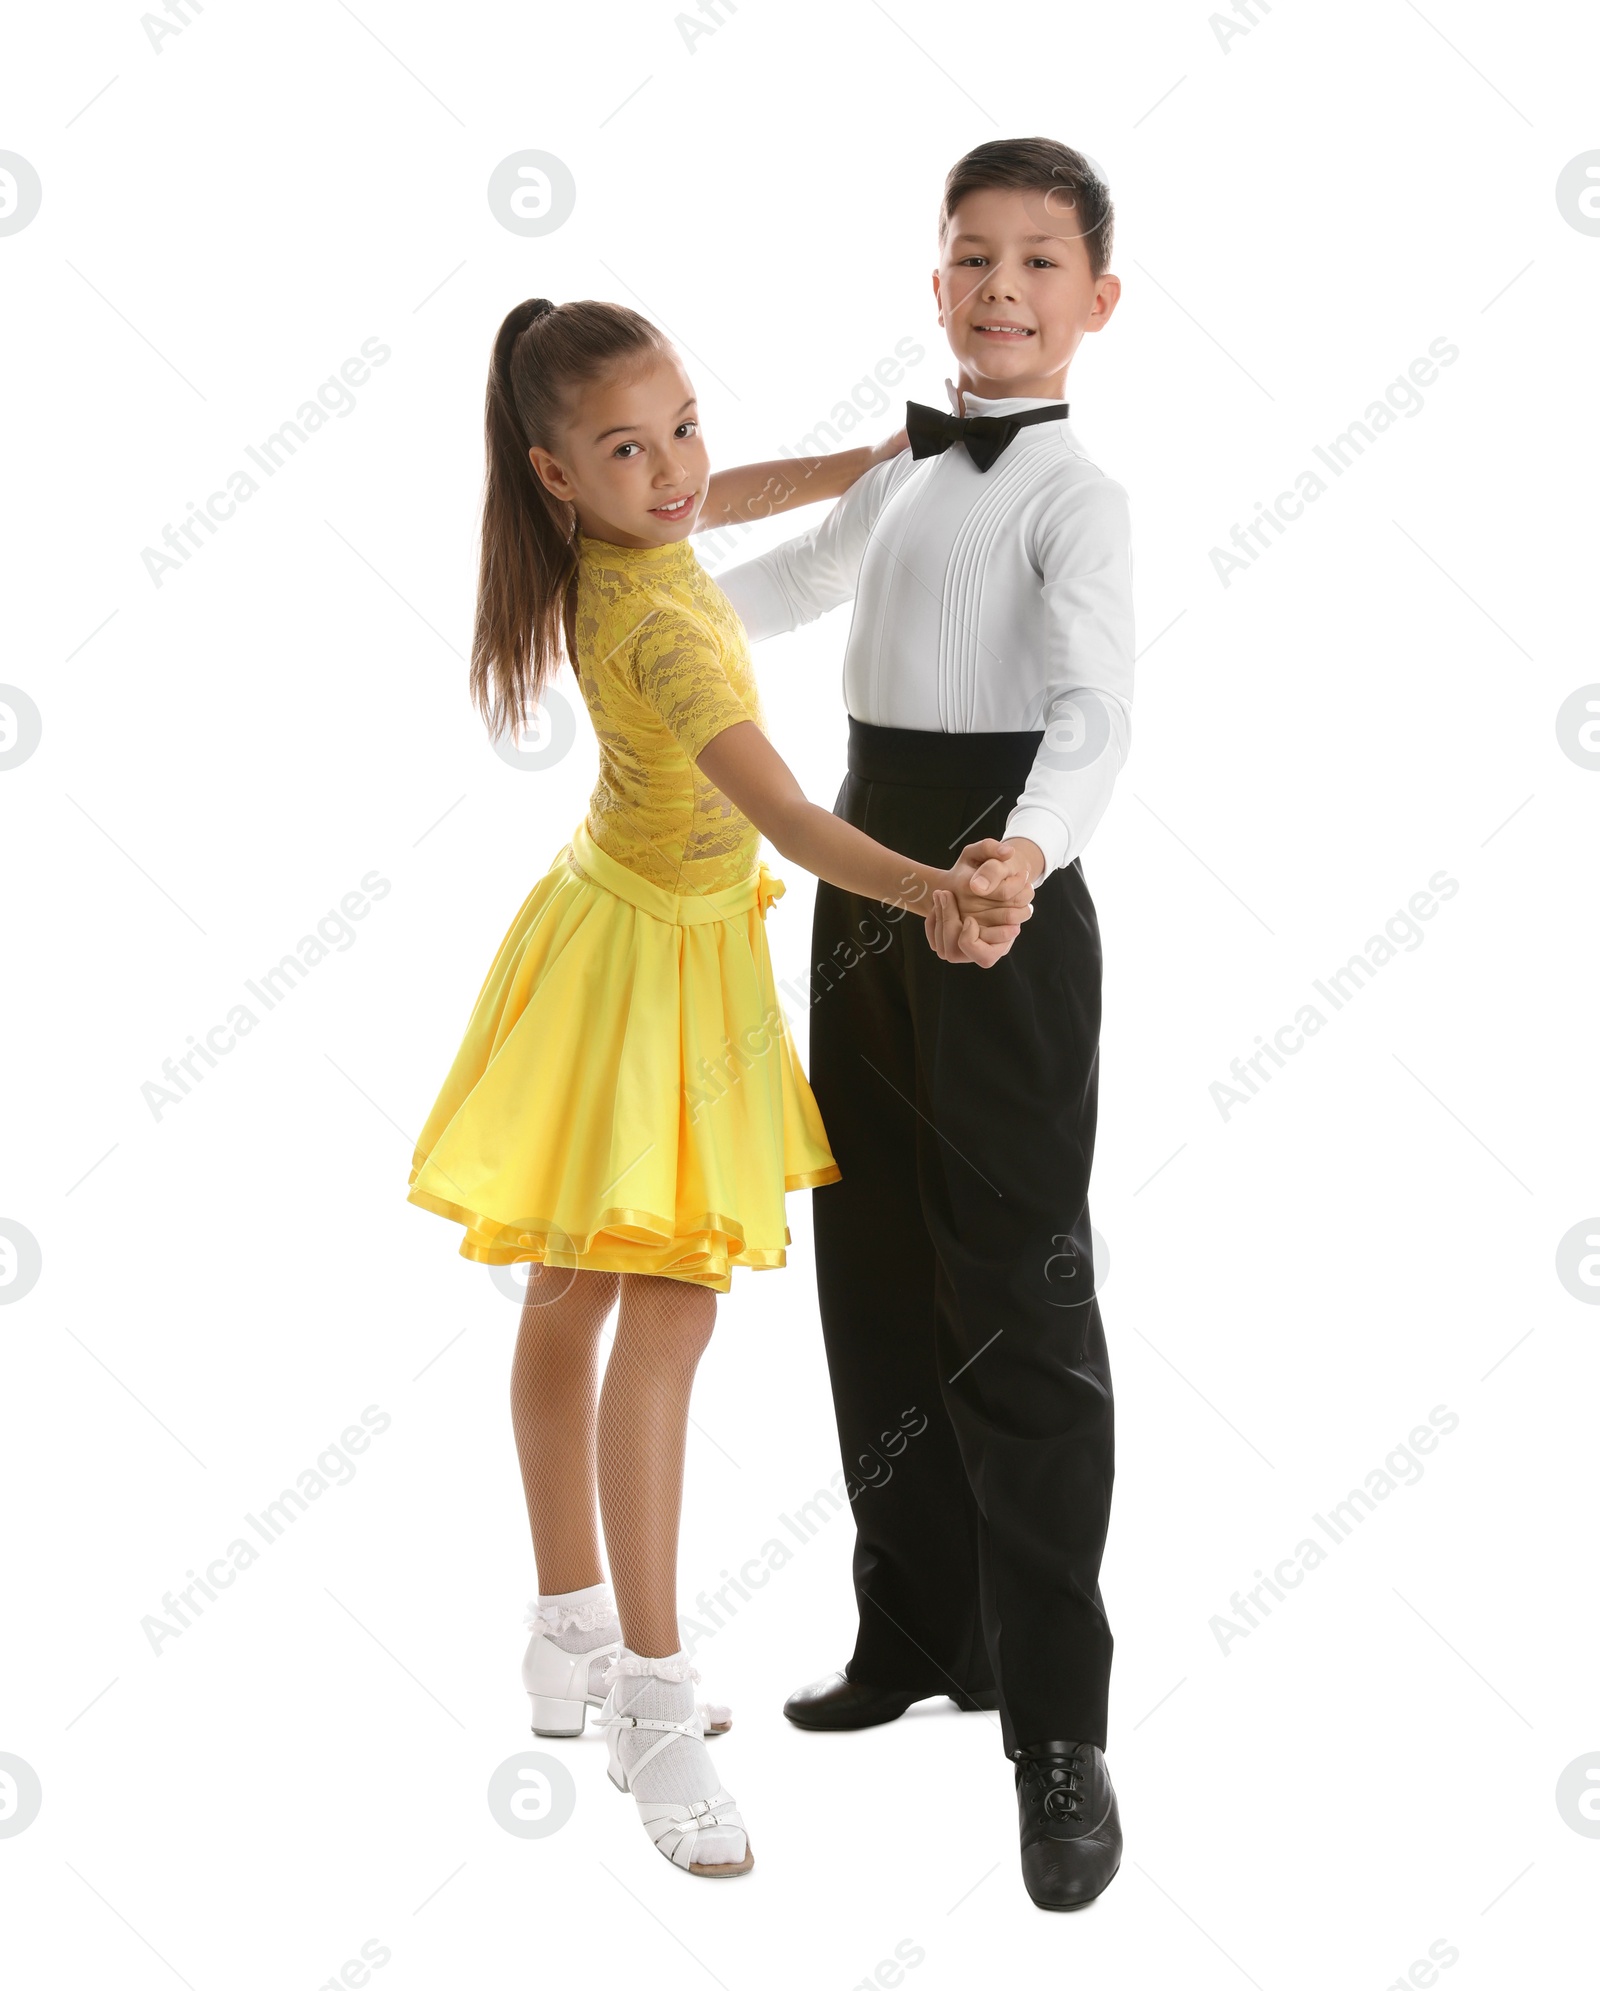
(632, 461)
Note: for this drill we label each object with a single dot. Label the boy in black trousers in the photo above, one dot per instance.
(988, 678)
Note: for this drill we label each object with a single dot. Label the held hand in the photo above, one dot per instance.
(990, 897)
(1002, 872)
(964, 926)
(983, 937)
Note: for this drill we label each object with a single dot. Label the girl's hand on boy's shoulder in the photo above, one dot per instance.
(888, 449)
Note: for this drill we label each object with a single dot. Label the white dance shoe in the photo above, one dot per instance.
(656, 1750)
(562, 1686)
(564, 1677)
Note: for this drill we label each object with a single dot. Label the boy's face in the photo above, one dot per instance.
(1015, 291)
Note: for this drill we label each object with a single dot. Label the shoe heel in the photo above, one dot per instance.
(552, 1717)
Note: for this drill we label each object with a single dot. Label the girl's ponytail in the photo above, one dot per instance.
(528, 556)
(528, 563)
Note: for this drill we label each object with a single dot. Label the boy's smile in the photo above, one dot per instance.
(1016, 293)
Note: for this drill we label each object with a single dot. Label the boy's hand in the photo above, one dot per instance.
(1002, 871)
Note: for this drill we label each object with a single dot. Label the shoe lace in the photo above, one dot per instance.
(1055, 1779)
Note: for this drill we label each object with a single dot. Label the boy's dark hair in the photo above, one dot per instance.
(1070, 184)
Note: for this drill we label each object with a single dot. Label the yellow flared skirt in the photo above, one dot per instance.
(627, 1096)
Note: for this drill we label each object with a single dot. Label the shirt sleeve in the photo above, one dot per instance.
(806, 576)
(1083, 553)
(675, 665)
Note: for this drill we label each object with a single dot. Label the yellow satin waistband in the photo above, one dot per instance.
(588, 860)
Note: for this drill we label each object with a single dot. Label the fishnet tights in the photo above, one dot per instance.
(633, 1448)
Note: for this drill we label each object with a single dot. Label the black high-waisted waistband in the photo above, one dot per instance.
(941, 760)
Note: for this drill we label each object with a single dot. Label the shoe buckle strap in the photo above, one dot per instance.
(669, 1732)
(690, 1815)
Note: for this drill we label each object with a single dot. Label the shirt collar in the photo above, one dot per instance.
(1015, 405)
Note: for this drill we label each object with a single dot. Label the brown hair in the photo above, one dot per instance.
(528, 562)
(1037, 165)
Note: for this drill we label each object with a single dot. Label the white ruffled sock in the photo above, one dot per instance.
(663, 1690)
(580, 1621)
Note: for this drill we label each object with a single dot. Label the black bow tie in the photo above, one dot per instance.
(931, 431)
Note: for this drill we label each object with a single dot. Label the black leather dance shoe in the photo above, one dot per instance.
(1071, 1834)
(839, 1702)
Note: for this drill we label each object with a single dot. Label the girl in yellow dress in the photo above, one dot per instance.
(626, 1109)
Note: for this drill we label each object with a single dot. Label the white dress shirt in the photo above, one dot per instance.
(986, 602)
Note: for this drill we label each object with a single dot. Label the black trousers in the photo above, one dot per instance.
(954, 1264)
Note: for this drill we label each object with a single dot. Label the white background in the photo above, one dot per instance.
(1291, 1289)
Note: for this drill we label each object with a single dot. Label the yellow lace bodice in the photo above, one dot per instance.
(664, 666)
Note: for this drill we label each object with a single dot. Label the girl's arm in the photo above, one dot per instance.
(743, 763)
(761, 490)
